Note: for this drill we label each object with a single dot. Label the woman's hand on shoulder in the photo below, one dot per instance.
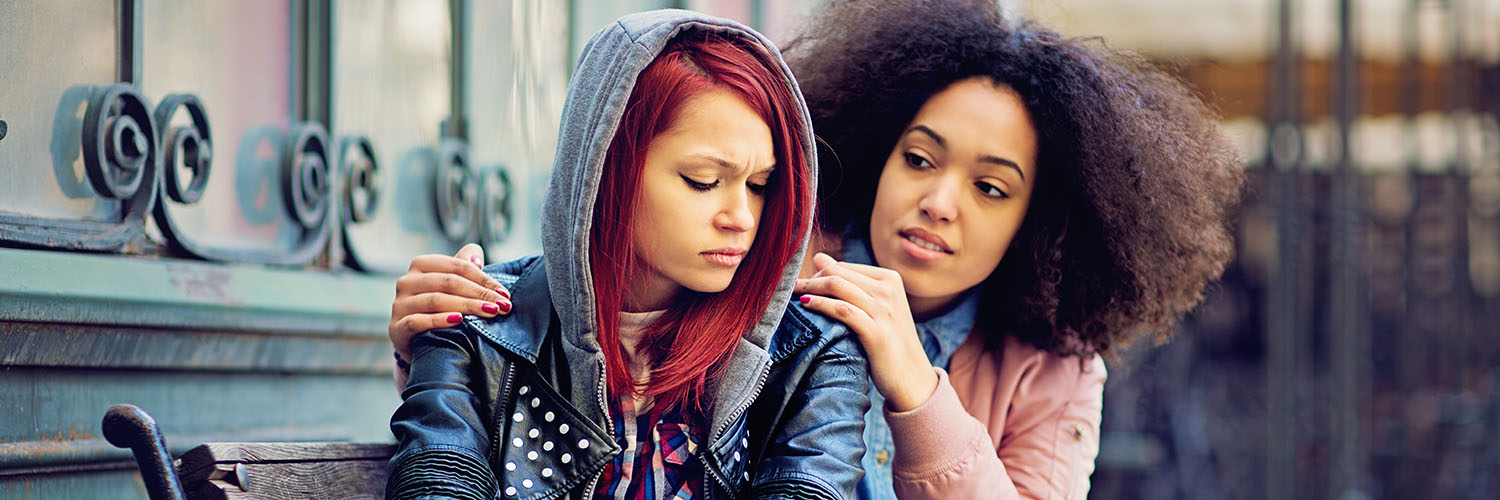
(437, 290)
(871, 301)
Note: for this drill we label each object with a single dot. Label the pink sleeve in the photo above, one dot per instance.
(1052, 454)
(1046, 452)
(943, 452)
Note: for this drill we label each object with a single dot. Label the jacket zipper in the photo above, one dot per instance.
(609, 426)
(495, 444)
(759, 385)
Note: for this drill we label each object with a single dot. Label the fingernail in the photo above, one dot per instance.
(804, 299)
(474, 260)
(505, 306)
(453, 318)
(503, 292)
(490, 308)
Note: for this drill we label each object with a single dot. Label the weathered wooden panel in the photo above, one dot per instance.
(49, 419)
(123, 484)
(40, 344)
(357, 480)
(285, 470)
(73, 288)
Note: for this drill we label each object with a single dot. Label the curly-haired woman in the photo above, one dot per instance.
(1010, 205)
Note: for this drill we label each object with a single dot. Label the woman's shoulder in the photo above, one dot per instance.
(523, 330)
(509, 272)
(802, 328)
(1022, 373)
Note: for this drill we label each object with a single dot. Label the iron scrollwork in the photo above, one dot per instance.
(305, 184)
(132, 153)
(307, 190)
(119, 152)
(455, 192)
(119, 148)
(192, 148)
(362, 190)
(494, 206)
(361, 179)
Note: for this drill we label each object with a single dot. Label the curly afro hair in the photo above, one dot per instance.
(1130, 220)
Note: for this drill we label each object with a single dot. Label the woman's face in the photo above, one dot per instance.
(700, 199)
(954, 191)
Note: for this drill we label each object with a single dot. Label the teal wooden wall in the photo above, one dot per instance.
(215, 352)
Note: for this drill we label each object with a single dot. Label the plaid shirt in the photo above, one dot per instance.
(658, 464)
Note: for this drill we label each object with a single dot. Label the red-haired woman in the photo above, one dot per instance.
(650, 353)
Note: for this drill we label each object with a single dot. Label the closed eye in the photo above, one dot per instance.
(699, 186)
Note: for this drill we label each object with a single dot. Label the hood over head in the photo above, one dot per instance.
(601, 86)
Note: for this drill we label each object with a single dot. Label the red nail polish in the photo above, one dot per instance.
(475, 261)
(490, 308)
(503, 292)
(804, 299)
(505, 306)
(454, 318)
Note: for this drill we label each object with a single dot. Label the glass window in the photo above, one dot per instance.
(518, 78)
(241, 72)
(392, 84)
(55, 54)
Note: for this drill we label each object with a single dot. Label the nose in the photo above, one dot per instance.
(940, 202)
(738, 215)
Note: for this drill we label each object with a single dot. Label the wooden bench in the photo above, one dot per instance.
(245, 471)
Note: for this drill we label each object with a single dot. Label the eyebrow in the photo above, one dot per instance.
(727, 165)
(996, 160)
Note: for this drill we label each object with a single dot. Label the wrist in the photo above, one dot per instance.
(401, 362)
(914, 392)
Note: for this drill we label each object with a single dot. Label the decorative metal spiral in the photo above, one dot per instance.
(361, 178)
(305, 180)
(495, 205)
(190, 147)
(454, 190)
(119, 142)
(119, 145)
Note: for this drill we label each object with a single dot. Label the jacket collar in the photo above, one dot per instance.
(522, 331)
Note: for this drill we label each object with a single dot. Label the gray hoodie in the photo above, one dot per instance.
(601, 85)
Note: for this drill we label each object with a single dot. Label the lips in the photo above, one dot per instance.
(925, 239)
(728, 256)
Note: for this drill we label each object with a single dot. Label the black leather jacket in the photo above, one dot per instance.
(505, 407)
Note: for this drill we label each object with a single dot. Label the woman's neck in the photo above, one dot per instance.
(652, 293)
(827, 242)
(925, 308)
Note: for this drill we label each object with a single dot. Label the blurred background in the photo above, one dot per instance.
(203, 205)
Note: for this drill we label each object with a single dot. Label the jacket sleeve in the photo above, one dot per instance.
(442, 441)
(944, 452)
(817, 452)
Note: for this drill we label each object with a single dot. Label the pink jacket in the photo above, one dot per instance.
(1016, 422)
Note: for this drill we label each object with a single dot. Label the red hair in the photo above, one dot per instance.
(699, 331)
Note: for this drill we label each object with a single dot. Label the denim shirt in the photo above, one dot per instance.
(940, 335)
